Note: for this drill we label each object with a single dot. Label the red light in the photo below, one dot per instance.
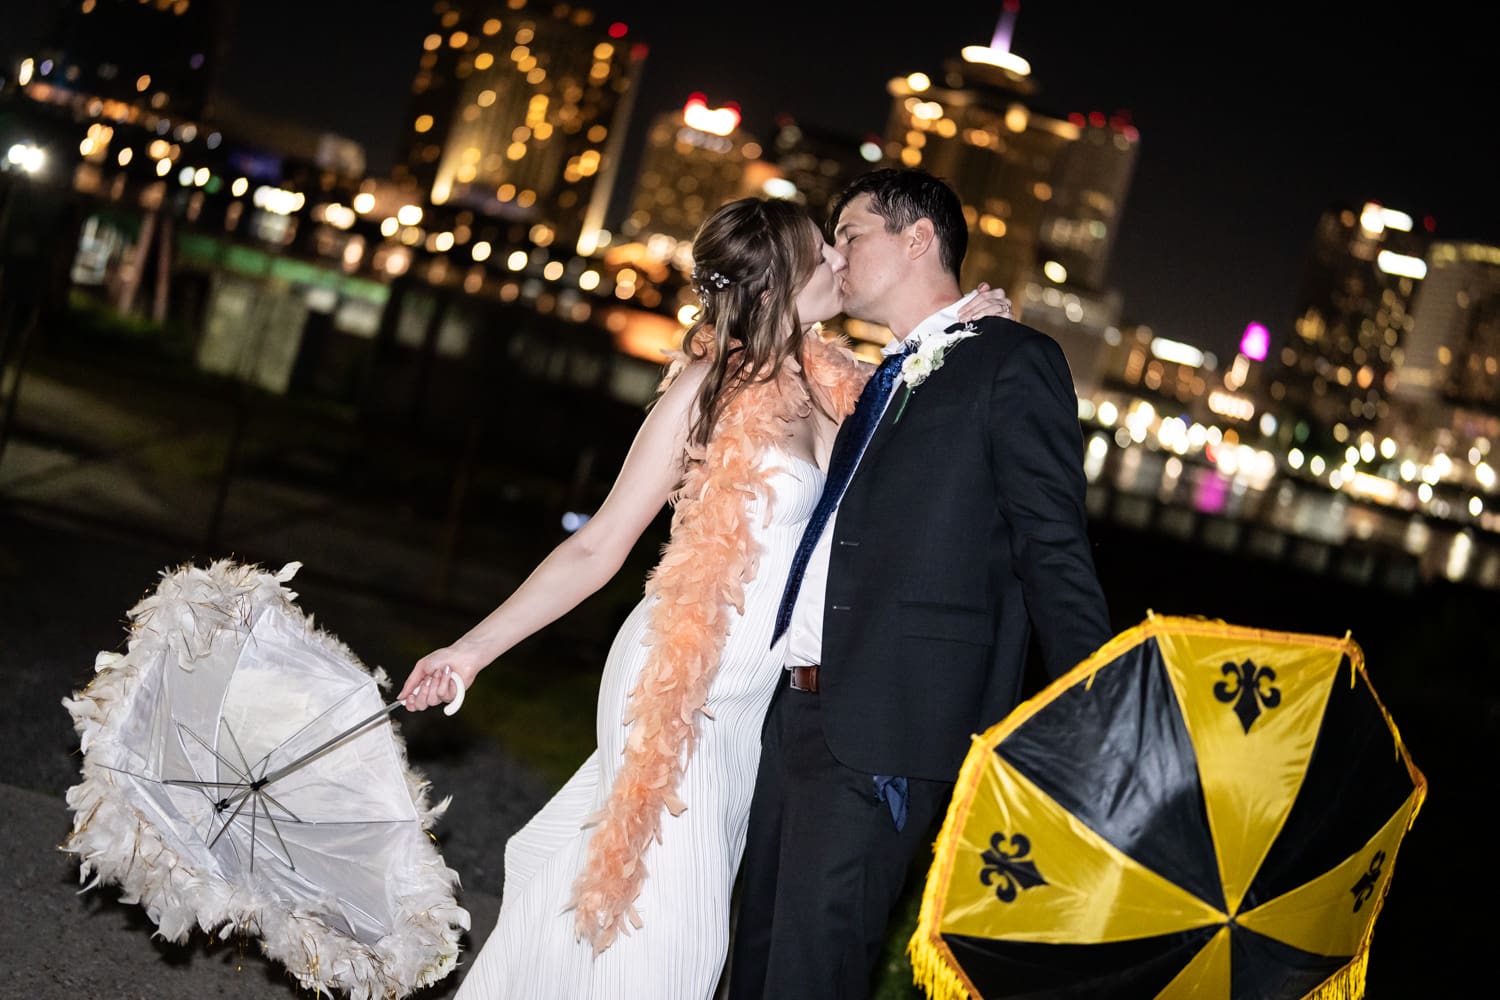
(1096, 119)
(718, 121)
(1429, 223)
(1077, 119)
(617, 30)
(638, 51)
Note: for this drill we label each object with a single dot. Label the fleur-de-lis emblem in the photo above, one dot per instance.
(1008, 867)
(1249, 687)
(1366, 884)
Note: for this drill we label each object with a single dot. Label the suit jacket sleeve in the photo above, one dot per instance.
(1038, 467)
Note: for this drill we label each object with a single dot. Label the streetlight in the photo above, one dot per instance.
(26, 157)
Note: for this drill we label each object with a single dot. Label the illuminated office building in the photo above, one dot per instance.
(1085, 323)
(157, 58)
(1176, 378)
(1338, 368)
(1453, 352)
(1090, 182)
(820, 163)
(1447, 396)
(974, 126)
(521, 113)
(695, 159)
(1043, 194)
(1066, 295)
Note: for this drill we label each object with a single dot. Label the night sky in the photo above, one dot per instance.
(1253, 119)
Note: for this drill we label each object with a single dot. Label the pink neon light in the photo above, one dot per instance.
(1256, 343)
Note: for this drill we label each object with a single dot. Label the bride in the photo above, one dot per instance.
(620, 885)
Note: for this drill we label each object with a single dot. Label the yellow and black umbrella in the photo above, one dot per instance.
(1198, 810)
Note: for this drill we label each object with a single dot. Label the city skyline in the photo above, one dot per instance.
(1232, 177)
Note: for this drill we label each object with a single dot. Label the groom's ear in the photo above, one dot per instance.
(921, 238)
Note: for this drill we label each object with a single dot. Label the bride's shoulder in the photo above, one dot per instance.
(680, 386)
(834, 372)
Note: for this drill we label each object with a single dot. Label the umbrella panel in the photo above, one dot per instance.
(1253, 705)
(1131, 775)
(1356, 781)
(1137, 969)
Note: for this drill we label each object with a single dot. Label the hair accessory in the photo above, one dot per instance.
(702, 279)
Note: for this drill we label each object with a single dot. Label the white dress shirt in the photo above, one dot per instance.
(805, 642)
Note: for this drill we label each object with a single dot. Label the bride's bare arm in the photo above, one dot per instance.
(582, 563)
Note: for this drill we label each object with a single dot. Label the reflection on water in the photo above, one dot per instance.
(1275, 517)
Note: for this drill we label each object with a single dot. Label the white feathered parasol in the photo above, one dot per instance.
(241, 773)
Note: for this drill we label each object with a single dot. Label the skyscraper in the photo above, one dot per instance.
(996, 154)
(1066, 294)
(1338, 369)
(1090, 183)
(821, 162)
(521, 113)
(1043, 193)
(1453, 352)
(975, 127)
(695, 159)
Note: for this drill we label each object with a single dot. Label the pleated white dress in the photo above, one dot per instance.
(679, 953)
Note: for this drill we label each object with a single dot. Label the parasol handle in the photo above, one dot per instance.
(458, 698)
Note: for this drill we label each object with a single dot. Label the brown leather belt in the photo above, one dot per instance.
(805, 678)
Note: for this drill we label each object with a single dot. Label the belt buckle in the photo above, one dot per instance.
(810, 672)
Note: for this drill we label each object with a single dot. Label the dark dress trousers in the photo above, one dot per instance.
(961, 538)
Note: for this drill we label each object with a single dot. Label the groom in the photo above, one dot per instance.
(960, 533)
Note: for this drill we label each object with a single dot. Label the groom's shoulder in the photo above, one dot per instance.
(1001, 337)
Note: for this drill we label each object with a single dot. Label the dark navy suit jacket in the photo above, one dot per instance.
(962, 537)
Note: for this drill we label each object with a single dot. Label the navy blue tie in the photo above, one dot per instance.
(841, 464)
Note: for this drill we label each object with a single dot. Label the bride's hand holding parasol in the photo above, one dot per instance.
(443, 675)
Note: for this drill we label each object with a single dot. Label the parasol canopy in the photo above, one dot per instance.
(1198, 810)
(241, 773)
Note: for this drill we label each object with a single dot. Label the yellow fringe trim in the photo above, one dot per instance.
(1346, 984)
(932, 963)
(934, 967)
(709, 557)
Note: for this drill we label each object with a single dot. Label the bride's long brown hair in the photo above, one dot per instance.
(750, 259)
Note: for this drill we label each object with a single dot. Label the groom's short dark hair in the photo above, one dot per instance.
(901, 197)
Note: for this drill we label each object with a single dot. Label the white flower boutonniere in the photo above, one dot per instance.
(928, 358)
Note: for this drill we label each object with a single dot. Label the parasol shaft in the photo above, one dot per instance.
(286, 769)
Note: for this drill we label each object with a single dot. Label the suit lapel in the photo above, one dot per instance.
(886, 428)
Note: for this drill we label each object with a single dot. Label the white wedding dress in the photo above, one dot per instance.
(679, 952)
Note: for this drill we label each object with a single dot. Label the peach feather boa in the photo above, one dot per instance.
(710, 555)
